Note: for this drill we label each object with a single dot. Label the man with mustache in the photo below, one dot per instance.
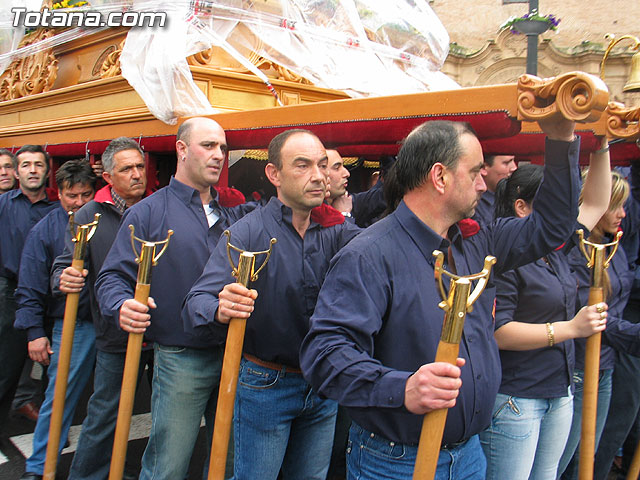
(20, 210)
(125, 174)
(187, 366)
(280, 423)
(38, 311)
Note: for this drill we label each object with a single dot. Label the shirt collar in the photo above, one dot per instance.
(118, 201)
(282, 213)
(187, 193)
(19, 193)
(423, 236)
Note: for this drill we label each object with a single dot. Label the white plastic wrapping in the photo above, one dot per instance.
(362, 47)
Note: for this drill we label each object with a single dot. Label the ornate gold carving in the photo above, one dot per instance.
(576, 96)
(201, 58)
(111, 65)
(32, 74)
(623, 122)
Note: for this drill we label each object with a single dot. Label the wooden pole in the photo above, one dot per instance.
(598, 261)
(132, 359)
(64, 352)
(590, 396)
(229, 380)
(433, 422)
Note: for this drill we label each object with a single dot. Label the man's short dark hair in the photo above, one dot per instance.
(488, 159)
(276, 144)
(8, 153)
(427, 144)
(32, 149)
(75, 172)
(115, 146)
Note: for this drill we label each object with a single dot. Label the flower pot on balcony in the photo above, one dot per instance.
(531, 27)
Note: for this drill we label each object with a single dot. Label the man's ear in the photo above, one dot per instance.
(521, 208)
(181, 149)
(272, 174)
(107, 177)
(438, 177)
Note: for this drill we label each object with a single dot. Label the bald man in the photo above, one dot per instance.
(187, 367)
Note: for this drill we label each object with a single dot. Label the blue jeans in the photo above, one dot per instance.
(185, 387)
(568, 467)
(93, 456)
(372, 457)
(83, 358)
(280, 423)
(526, 437)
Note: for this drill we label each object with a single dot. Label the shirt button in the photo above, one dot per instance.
(479, 376)
(391, 444)
(470, 339)
(477, 412)
(372, 435)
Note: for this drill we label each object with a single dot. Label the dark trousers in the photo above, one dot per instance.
(13, 347)
(623, 409)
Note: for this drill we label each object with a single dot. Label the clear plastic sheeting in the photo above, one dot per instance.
(362, 47)
(153, 60)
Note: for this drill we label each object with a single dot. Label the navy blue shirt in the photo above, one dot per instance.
(287, 288)
(368, 206)
(539, 292)
(484, 209)
(37, 308)
(17, 217)
(377, 318)
(179, 208)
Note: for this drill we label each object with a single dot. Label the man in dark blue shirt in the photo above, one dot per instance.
(376, 327)
(279, 422)
(124, 172)
(187, 366)
(20, 210)
(38, 310)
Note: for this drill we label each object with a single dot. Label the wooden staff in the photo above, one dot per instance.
(456, 305)
(80, 237)
(634, 468)
(231, 363)
(145, 261)
(598, 262)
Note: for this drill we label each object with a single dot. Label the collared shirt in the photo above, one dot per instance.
(377, 318)
(175, 207)
(17, 217)
(539, 292)
(484, 209)
(37, 308)
(287, 287)
(118, 201)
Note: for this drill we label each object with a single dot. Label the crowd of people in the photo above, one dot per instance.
(338, 366)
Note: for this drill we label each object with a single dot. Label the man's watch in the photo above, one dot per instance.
(346, 214)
